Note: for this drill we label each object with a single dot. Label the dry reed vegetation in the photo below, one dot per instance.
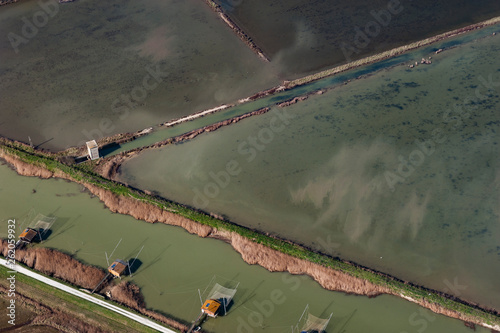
(276, 261)
(57, 264)
(52, 317)
(251, 252)
(130, 295)
(62, 266)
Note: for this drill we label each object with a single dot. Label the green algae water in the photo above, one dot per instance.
(334, 172)
(174, 265)
(92, 68)
(98, 68)
(160, 134)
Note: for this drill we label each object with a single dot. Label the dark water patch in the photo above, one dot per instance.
(64, 83)
(395, 106)
(309, 35)
(411, 84)
(326, 83)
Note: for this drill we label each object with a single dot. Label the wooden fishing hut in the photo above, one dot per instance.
(118, 267)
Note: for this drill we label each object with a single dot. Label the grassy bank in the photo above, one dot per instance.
(54, 298)
(84, 173)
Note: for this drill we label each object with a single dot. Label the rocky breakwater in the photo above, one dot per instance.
(6, 2)
(237, 30)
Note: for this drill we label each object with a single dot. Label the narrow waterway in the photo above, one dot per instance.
(95, 68)
(160, 134)
(135, 64)
(174, 265)
(398, 171)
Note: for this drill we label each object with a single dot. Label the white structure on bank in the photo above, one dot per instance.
(93, 150)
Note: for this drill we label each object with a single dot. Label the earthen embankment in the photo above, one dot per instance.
(276, 255)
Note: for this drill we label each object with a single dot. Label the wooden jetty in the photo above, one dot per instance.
(197, 322)
(27, 236)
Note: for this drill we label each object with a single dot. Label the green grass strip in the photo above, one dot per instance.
(111, 318)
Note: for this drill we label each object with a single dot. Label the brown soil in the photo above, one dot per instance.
(111, 166)
(117, 204)
(55, 318)
(293, 101)
(127, 294)
(264, 93)
(287, 85)
(275, 261)
(210, 128)
(146, 212)
(116, 139)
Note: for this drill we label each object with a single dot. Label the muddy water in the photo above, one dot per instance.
(160, 134)
(174, 265)
(61, 86)
(67, 81)
(310, 35)
(327, 174)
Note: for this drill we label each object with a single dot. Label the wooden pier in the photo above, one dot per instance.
(197, 322)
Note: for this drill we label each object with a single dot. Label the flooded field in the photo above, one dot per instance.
(162, 133)
(97, 68)
(174, 265)
(397, 171)
(65, 78)
(310, 35)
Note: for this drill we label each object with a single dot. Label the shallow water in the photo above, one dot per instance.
(308, 35)
(175, 264)
(61, 86)
(69, 82)
(329, 179)
(160, 134)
